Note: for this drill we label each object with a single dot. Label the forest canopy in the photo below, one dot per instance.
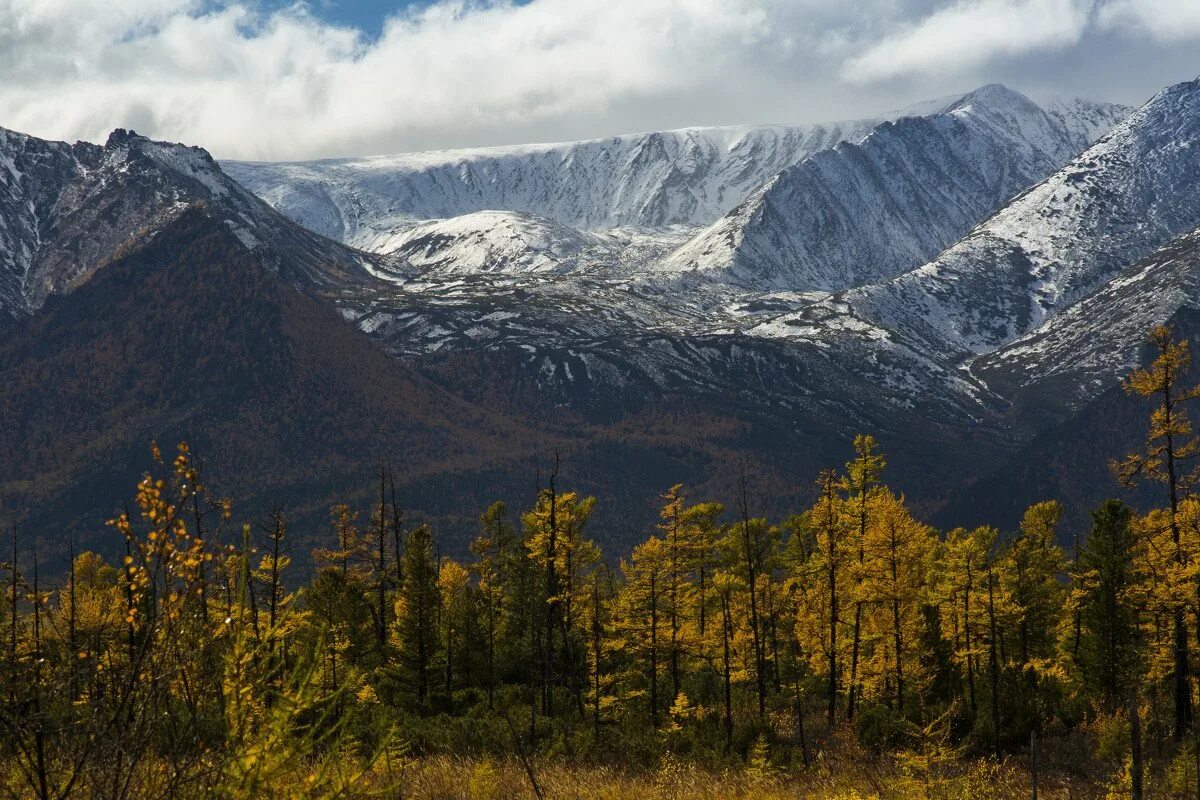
(845, 642)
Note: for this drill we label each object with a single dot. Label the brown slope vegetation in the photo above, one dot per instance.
(188, 338)
(1070, 460)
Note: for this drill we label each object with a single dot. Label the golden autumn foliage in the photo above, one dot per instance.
(847, 651)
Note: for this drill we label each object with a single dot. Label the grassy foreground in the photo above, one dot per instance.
(843, 776)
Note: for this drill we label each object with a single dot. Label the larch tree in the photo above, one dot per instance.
(703, 534)
(349, 547)
(823, 583)
(457, 618)
(599, 633)
(747, 551)
(677, 536)
(963, 558)
(861, 479)
(555, 540)
(1170, 448)
(492, 550)
(641, 614)
(1031, 571)
(381, 578)
(898, 549)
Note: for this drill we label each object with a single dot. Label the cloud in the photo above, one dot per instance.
(288, 84)
(1164, 20)
(968, 34)
(971, 33)
(274, 84)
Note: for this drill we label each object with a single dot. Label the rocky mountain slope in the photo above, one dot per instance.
(190, 335)
(864, 212)
(1088, 346)
(66, 210)
(1133, 191)
(914, 187)
(571, 324)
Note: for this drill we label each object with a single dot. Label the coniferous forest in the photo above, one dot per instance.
(847, 651)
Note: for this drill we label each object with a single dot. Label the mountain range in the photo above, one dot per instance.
(967, 279)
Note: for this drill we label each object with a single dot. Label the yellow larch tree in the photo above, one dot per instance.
(898, 551)
(860, 482)
(1171, 447)
(641, 621)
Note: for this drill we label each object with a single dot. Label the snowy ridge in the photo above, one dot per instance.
(861, 213)
(1092, 344)
(66, 210)
(797, 207)
(690, 176)
(1135, 189)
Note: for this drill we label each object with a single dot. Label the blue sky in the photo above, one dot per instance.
(366, 15)
(260, 79)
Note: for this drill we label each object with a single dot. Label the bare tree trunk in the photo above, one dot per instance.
(995, 666)
(653, 649)
(1135, 749)
(798, 700)
(381, 574)
(726, 633)
(1033, 764)
(752, 576)
(896, 629)
(827, 491)
(597, 653)
(967, 636)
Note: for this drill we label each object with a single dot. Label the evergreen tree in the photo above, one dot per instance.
(416, 612)
(1109, 644)
(1032, 567)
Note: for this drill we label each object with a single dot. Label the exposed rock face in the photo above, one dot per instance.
(66, 210)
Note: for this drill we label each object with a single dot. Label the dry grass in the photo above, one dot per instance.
(452, 778)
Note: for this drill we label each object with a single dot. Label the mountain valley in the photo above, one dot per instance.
(956, 281)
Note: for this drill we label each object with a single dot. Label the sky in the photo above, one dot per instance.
(281, 80)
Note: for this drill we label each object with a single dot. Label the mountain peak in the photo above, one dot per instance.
(857, 214)
(120, 137)
(991, 96)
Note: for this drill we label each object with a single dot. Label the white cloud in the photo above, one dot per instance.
(1165, 20)
(286, 84)
(971, 33)
(961, 36)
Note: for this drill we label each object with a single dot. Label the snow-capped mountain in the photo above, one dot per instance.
(1089, 346)
(861, 213)
(1134, 190)
(534, 250)
(802, 207)
(66, 210)
(582, 270)
(690, 176)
